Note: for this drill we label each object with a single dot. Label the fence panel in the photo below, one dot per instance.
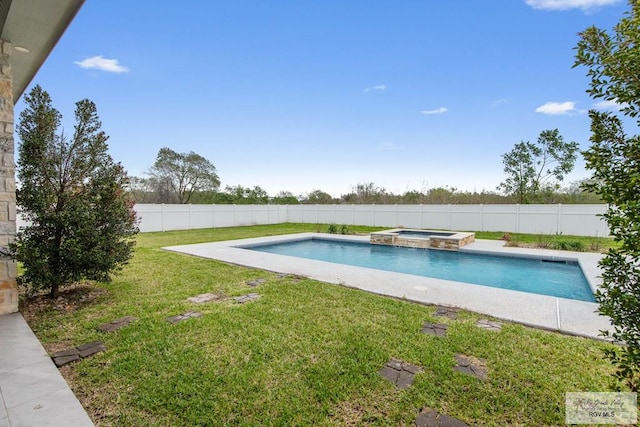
(500, 218)
(581, 220)
(409, 216)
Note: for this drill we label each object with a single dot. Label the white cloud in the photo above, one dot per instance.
(610, 105)
(584, 5)
(440, 110)
(387, 146)
(103, 64)
(378, 88)
(557, 108)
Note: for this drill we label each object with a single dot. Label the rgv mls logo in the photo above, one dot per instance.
(601, 408)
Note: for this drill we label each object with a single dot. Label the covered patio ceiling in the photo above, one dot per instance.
(33, 27)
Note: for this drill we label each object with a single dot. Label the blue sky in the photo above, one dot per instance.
(298, 95)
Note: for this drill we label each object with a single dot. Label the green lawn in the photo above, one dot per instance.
(305, 353)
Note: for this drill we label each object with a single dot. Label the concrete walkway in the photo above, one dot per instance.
(32, 390)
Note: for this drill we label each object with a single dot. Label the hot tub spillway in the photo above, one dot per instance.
(425, 239)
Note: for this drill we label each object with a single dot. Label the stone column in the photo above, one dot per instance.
(8, 286)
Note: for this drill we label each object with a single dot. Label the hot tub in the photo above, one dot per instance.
(426, 239)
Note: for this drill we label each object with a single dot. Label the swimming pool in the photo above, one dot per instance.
(560, 314)
(560, 279)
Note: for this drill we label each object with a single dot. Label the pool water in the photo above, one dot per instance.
(417, 233)
(559, 279)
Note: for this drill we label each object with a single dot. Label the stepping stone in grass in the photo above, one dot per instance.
(400, 373)
(116, 324)
(65, 357)
(449, 312)
(256, 282)
(489, 325)
(202, 298)
(437, 329)
(471, 366)
(294, 278)
(246, 298)
(432, 418)
(183, 316)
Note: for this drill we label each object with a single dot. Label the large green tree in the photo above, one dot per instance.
(72, 196)
(613, 63)
(318, 197)
(535, 168)
(245, 195)
(285, 198)
(175, 177)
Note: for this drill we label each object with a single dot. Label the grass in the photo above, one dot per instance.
(305, 353)
(554, 241)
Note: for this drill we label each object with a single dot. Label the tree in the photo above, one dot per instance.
(73, 197)
(366, 192)
(285, 198)
(247, 196)
(176, 176)
(532, 168)
(613, 62)
(318, 197)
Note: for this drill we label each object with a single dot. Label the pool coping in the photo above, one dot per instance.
(557, 314)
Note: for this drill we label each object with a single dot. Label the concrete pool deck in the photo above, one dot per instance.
(540, 311)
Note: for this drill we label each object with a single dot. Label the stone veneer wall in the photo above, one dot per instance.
(8, 274)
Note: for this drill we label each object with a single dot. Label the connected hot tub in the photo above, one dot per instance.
(426, 239)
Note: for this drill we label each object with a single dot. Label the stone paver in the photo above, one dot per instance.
(256, 282)
(489, 325)
(184, 316)
(432, 418)
(202, 298)
(116, 324)
(437, 329)
(65, 357)
(449, 312)
(471, 365)
(400, 373)
(246, 298)
(293, 278)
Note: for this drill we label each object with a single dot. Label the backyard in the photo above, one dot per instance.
(304, 353)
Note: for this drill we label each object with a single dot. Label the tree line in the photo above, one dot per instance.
(534, 173)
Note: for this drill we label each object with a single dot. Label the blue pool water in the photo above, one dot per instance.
(559, 279)
(417, 233)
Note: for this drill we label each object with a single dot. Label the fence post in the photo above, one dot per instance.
(162, 216)
(396, 217)
(559, 220)
(373, 214)
(517, 217)
(481, 217)
(450, 218)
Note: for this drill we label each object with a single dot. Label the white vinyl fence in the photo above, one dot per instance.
(579, 220)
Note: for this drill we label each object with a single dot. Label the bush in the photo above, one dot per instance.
(569, 245)
(72, 195)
